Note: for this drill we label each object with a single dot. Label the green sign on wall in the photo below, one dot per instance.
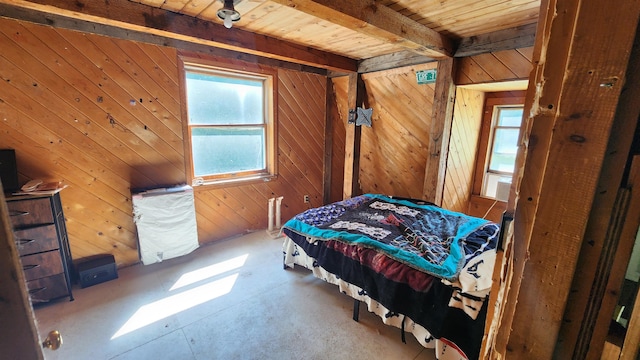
(426, 76)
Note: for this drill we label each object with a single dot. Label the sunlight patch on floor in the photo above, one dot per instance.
(174, 304)
(193, 277)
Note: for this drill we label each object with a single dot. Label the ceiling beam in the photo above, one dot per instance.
(508, 39)
(61, 22)
(392, 61)
(136, 17)
(376, 20)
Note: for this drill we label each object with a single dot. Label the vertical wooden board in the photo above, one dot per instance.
(465, 134)
(330, 119)
(20, 340)
(593, 301)
(570, 147)
(339, 88)
(471, 110)
(351, 185)
(440, 132)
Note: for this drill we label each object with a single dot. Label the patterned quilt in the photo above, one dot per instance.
(425, 237)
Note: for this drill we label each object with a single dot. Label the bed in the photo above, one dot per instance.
(421, 268)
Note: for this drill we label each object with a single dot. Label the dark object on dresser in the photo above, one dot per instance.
(9, 170)
(96, 269)
(42, 242)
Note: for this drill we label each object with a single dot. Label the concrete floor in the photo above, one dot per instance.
(227, 300)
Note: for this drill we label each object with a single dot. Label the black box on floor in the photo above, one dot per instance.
(96, 269)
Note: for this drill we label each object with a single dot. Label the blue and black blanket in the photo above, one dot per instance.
(425, 237)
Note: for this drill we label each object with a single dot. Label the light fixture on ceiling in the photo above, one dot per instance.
(228, 13)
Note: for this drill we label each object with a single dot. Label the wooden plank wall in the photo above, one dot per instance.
(479, 206)
(463, 146)
(103, 115)
(394, 150)
(496, 66)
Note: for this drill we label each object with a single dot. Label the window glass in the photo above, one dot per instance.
(230, 124)
(227, 150)
(509, 116)
(219, 100)
(505, 148)
(502, 152)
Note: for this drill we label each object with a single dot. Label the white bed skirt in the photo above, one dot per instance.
(444, 349)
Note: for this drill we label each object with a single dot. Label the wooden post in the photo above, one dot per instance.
(593, 295)
(573, 93)
(356, 97)
(328, 142)
(444, 97)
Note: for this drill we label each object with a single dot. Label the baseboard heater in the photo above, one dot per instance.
(165, 219)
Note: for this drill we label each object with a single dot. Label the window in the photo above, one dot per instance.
(230, 125)
(502, 150)
(498, 144)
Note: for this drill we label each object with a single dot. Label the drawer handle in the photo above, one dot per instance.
(29, 267)
(18, 213)
(25, 241)
(37, 290)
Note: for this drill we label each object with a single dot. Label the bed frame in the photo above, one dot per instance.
(447, 315)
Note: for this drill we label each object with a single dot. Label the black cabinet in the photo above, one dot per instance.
(43, 244)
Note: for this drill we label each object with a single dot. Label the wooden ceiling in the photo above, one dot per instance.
(338, 35)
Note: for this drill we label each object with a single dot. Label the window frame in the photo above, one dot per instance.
(237, 69)
(493, 100)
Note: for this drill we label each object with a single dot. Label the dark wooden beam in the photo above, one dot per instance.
(508, 39)
(440, 133)
(124, 18)
(63, 22)
(328, 142)
(374, 19)
(392, 61)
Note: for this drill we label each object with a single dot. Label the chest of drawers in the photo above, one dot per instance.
(42, 241)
